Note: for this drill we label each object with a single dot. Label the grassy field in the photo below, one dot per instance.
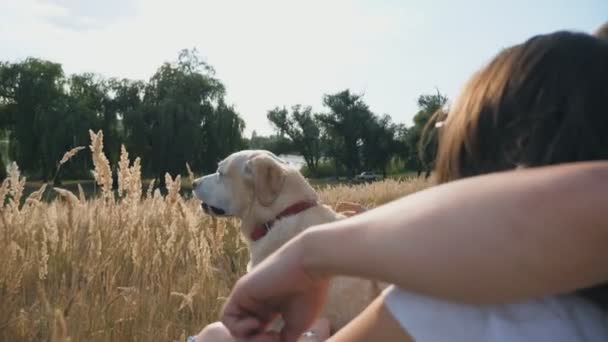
(126, 265)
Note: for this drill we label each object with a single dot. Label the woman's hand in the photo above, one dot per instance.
(278, 287)
(349, 208)
(217, 332)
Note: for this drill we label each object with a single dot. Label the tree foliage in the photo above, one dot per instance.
(177, 116)
(180, 116)
(424, 142)
(301, 126)
(345, 126)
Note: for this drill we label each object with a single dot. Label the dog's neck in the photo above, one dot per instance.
(260, 231)
(286, 229)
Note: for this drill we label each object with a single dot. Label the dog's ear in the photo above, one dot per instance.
(268, 177)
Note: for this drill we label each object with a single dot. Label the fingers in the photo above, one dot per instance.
(298, 317)
(322, 328)
(246, 323)
(319, 332)
(348, 213)
(350, 207)
(265, 337)
(291, 333)
(244, 316)
(242, 327)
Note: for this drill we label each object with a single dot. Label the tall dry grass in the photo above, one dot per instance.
(130, 265)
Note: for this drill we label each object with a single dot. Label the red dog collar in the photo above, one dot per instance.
(261, 230)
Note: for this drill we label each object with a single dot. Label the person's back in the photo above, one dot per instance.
(539, 103)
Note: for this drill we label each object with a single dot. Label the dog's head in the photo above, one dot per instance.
(251, 184)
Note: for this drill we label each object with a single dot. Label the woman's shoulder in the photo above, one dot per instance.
(557, 318)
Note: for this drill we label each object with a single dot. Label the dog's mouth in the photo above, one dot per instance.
(211, 210)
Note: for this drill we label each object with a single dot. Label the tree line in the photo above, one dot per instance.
(180, 116)
(352, 138)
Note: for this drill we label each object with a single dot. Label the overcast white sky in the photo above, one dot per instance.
(278, 52)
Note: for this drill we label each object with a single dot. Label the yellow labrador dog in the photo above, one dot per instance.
(275, 203)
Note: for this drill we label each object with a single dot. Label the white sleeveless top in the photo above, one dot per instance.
(557, 319)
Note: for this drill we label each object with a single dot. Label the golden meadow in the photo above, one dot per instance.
(125, 265)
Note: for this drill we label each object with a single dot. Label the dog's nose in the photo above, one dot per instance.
(196, 182)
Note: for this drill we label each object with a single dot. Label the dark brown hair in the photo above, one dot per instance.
(602, 31)
(538, 103)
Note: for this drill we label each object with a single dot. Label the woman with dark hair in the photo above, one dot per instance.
(602, 31)
(509, 245)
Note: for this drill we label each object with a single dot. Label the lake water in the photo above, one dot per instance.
(294, 160)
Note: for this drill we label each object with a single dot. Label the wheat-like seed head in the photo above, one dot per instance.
(150, 189)
(123, 171)
(35, 197)
(4, 189)
(50, 225)
(103, 172)
(134, 186)
(43, 254)
(190, 174)
(173, 187)
(68, 196)
(71, 153)
(81, 194)
(16, 185)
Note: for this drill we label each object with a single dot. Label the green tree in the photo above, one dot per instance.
(405, 153)
(302, 128)
(33, 98)
(276, 143)
(84, 108)
(178, 116)
(345, 128)
(3, 149)
(380, 143)
(126, 101)
(223, 134)
(425, 141)
(183, 117)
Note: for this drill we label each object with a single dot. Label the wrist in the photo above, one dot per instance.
(316, 259)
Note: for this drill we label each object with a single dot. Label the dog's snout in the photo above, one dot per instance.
(196, 182)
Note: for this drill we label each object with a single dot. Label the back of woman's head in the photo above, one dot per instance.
(602, 31)
(538, 103)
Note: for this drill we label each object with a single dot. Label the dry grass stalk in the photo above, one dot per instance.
(68, 196)
(103, 172)
(123, 171)
(135, 185)
(190, 174)
(4, 191)
(173, 187)
(16, 185)
(150, 188)
(139, 269)
(71, 153)
(81, 194)
(34, 198)
(60, 329)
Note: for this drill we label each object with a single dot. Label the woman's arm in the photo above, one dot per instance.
(495, 238)
(489, 239)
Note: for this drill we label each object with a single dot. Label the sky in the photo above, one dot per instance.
(272, 53)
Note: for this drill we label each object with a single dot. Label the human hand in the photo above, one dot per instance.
(278, 287)
(349, 208)
(217, 332)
